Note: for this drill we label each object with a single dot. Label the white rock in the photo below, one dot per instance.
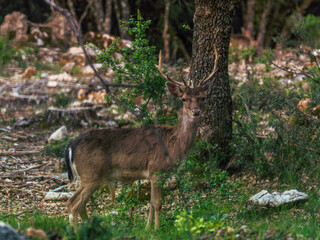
(264, 199)
(68, 67)
(52, 84)
(87, 70)
(300, 77)
(112, 124)
(316, 52)
(59, 196)
(48, 59)
(75, 50)
(58, 135)
(60, 77)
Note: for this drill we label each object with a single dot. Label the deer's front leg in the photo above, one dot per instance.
(155, 204)
(150, 218)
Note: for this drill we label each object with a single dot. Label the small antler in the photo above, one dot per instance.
(166, 76)
(215, 68)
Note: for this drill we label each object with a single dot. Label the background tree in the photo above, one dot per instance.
(213, 22)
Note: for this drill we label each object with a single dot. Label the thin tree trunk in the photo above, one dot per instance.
(99, 15)
(73, 12)
(85, 12)
(165, 34)
(107, 18)
(125, 10)
(274, 15)
(262, 28)
(118, 14)
(213, 22)
(250, 17)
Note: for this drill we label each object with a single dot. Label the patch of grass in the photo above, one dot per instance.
(75, 71)
(41, 65)
(207, 218)
(56, 148)
(62, 100)
(6, 53)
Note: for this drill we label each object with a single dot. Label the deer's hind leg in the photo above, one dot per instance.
(77, 203)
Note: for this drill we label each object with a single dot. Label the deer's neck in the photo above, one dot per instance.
(185, 133)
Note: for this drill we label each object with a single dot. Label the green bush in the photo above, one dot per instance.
(312, 27)
(137, 65)
(56, 148)
(270, 135)
(62, 100)
(194, 226)
(6, 53)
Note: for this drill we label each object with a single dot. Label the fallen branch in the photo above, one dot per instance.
(18, 153)
(29, 168)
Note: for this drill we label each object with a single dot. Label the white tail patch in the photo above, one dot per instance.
(71, 219)
(73, 166)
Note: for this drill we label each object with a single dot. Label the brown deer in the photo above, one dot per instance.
(104, 155)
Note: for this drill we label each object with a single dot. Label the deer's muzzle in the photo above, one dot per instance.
(196, 112)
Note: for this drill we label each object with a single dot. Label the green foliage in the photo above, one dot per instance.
(75, 70)
(137, 65)
(199, 172)
(271, 136)
(312, 27)
(6, 53)
(194, 226)
(56, 148)
(93, 228)
(41, 65)
(62, 100)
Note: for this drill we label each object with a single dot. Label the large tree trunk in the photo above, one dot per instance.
(212, 26)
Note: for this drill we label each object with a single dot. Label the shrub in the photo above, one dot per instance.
(137, 65)
(312, 28)
(6, 53)
(56, 148)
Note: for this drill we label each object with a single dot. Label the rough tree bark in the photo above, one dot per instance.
(165, 34)
(213, 22)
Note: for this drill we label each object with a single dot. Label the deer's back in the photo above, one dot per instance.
(123, 154)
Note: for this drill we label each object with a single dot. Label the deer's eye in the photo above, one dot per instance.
(183, 99)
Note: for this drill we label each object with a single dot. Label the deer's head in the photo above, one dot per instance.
(191, 96)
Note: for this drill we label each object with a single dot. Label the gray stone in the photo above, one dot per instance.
(58, 135)
(264, 199)
(8, 233)
(57, 196)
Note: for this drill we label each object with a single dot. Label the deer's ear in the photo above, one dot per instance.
(174, 89)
